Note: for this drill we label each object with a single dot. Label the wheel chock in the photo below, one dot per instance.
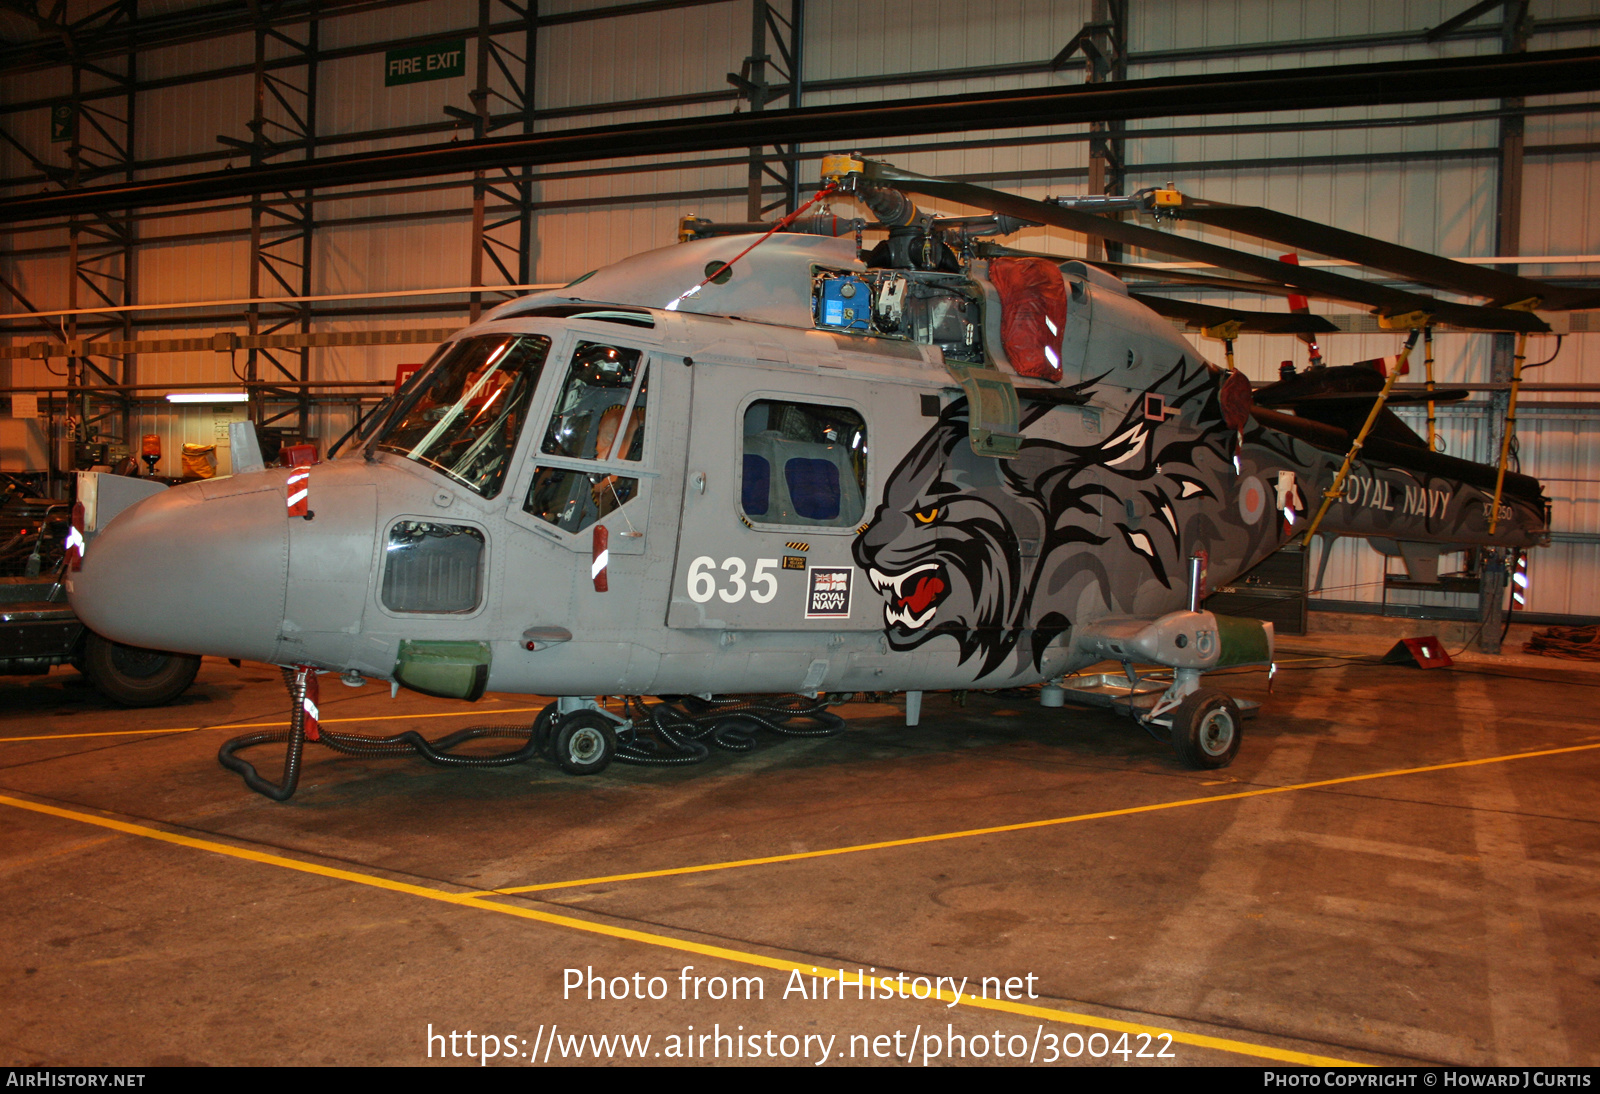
(1425, 652)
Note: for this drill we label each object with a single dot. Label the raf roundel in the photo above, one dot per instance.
(1252, 499)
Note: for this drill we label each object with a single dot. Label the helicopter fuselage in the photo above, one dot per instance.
(612, 490)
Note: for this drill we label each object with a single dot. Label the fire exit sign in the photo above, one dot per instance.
(63, 122)
(416, 64)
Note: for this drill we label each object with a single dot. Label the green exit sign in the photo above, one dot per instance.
(63, 122)
(416, 64)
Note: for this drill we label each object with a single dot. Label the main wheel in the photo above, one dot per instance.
(136, 677)
(584, 742)
(1206, 730)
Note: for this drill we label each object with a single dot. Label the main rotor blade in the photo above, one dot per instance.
(1125, 270)
(1210, 315)
(1192, 313)
(1441, 79)
(1367, 398)
(1388, 300)
(1429, 269)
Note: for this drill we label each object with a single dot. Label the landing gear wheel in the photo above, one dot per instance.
(542, 730)
(584, 742)
(136, 677)
(1206, 730)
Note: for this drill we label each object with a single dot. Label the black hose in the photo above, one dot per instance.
(437, 752)
(296, 736)
(353, 744)
(674, 731)
(278, 792)
(666, 746)
(682, 726)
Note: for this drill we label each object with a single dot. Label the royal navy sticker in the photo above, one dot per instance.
(828, 592)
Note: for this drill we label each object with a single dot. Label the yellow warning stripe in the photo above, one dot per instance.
(1020, 826)
(482, 712)
(742, 957)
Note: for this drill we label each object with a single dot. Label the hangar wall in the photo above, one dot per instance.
(1423, 175)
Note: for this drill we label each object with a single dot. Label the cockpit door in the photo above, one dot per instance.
(591, 460)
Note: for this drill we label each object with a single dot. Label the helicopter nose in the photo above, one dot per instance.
(201, 568)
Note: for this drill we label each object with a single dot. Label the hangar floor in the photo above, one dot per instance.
(1402, 866)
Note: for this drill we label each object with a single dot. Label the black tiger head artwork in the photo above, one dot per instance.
(1003, 554)
(942, 549)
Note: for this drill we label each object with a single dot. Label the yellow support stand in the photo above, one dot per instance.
(1411, 320)
(1226, 332)
(1510, 430)
(1336, 490)
(1427, 358)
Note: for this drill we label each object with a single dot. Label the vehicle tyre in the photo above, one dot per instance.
(1206, 730)
(136, 677)
(584, 742)
(541, 731)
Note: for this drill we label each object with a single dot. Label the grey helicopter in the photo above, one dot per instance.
(765, 461)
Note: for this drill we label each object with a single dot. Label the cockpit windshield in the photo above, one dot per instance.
(464, 416)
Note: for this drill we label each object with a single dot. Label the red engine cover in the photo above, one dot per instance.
(1236, 399)
(1033, 314)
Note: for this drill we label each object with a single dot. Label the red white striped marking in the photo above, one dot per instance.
(601, 558)
(299, 489)
(75, 540)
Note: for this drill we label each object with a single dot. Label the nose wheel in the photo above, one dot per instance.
(1204, 726)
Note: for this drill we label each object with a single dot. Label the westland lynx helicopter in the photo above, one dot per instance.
(774, 463)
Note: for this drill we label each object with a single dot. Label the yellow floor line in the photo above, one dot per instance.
(469, 900)
(1021, 826)
(482, 712)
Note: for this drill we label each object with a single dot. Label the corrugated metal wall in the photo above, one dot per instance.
(1430, 186)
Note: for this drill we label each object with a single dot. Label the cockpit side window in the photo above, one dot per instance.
(599, 419)
(599, 390)
(465, 414)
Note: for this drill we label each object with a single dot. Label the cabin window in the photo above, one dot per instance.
(435, 568)
(803, 465)
(463, 417)
(595, 437)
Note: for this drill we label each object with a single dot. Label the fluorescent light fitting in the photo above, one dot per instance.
(207, 397)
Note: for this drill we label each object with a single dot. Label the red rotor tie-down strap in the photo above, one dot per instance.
(778, 227)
